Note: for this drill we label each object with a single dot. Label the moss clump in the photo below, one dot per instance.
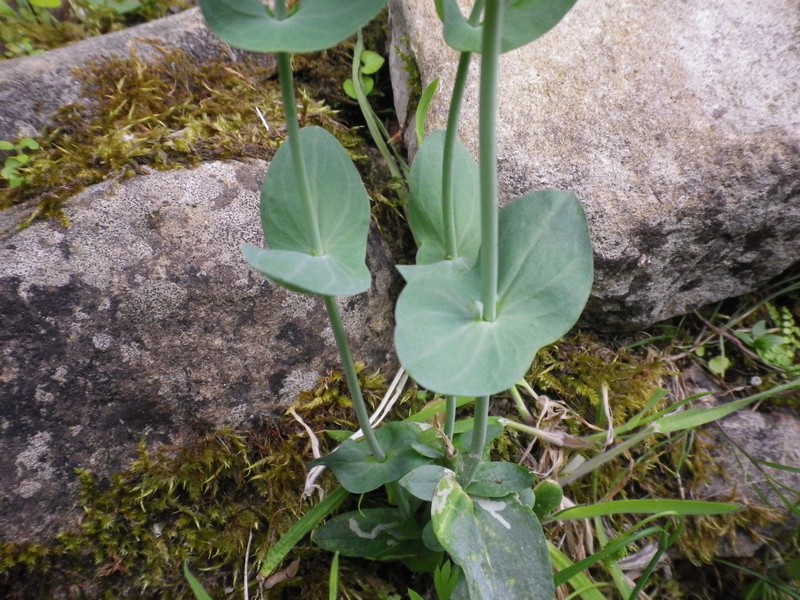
(199, 503)
(169, 113)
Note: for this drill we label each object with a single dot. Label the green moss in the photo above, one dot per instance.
(199, 503)
(170, 113)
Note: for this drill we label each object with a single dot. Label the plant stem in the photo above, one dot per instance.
(349, 367)
(450, 136)
(490, 55)
(369, 114)
(478, 444)
(293, 133)
(450, 416)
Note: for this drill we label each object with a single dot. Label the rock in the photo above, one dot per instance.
(745, 447)
(33, 88)
(142, 320)
(675, 123)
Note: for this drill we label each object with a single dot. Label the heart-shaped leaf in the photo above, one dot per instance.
(315, 25)
(499, 544)
(545, 276)
(342, 208)
(425, 202)
(523, 22)
(357, 469)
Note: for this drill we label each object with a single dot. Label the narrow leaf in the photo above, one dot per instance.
(423, 106)
(619, 507)
(197, 588)
(275, 555)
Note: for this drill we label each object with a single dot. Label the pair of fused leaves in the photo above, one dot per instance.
(314, 25)
(317, 244)
(544, 280)
(341, 205)
(523, 22)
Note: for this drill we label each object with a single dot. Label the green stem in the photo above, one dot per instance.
(450, 416)
(369, 114)
(293, 133)
(478, 444)
(349, 367)
(450, 136)
(490, 55)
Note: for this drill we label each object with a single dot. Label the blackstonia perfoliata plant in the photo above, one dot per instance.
(490, 288)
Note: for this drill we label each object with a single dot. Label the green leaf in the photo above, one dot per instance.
(423, 106)
(498, 544)
(276, 553)
(6, 11)
(315, 25)
(46, 3)
(372, 533)
(425, 202)
(545, 276)
(26, 142)
(197, 588)
(366, 84)
(333, 580)
(719, 364)
(342, 208)
(548, 496)
(623, 507)
(523, 22)
(371, 62)
(121, 7)
(6, 145)
(359, 472)
(499, 479)
(421, 482)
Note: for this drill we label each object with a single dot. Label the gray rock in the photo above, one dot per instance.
(676, 123)
(142, 320)
(745, 447)
(33, 88)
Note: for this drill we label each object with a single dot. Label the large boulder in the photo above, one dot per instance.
(676, 123)
(142, 320)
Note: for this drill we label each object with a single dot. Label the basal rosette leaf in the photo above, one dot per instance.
(523, 22)
(498, 543)
(545, 276)
(342, 208)
(314, 25)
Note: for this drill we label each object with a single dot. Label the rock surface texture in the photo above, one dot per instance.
(142, 319)
(676, 123)
(748, 449)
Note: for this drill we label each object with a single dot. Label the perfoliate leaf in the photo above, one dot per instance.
(523, 22)
(342, 208)
(425, 202)
(545, 276)
(315, 25)
(498, 543)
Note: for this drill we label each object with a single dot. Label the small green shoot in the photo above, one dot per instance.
(13, 170)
